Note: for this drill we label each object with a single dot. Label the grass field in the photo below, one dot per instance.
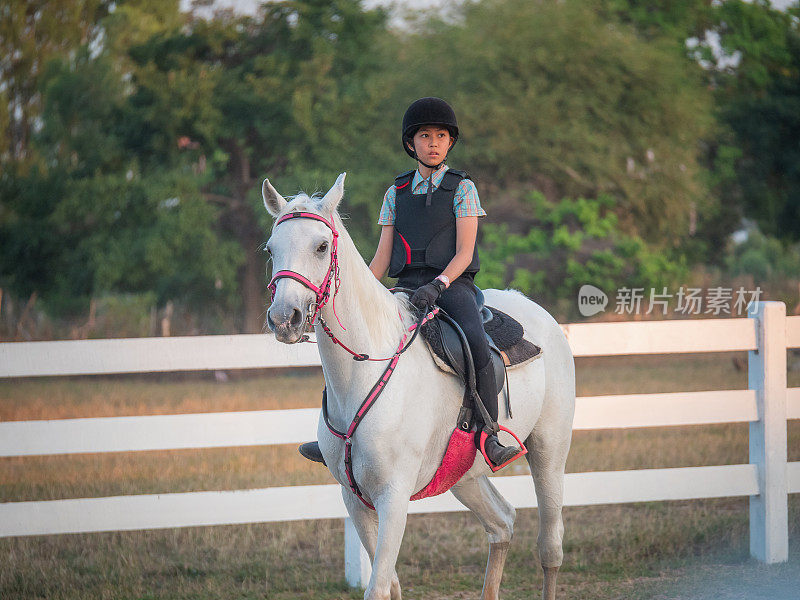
(692, 549)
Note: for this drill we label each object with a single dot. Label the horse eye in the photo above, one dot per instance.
(322, 247)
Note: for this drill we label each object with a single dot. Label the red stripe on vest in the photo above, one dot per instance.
(407, 247)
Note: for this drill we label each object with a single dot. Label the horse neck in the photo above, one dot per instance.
(369, 314)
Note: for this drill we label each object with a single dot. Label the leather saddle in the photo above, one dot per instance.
(503, 333)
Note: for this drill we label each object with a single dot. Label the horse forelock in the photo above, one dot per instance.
(300, 202)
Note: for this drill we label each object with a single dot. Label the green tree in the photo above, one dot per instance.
(752, 155)
(153, 142)
(553, 96)
(31, 33)
(759, 101)
(573, 242)
(678, 20)
(768, 261)
(73, 239)
(276, 95)
(86, 220)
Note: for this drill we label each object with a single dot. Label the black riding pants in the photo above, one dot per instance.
(459, 301)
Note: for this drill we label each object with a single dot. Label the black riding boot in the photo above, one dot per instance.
(487, 390)
(311, 451)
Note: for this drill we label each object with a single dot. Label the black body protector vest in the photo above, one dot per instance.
(425, 234)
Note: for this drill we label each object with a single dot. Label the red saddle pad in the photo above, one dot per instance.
(457, 460)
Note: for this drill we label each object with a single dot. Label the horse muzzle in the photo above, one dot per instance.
(287, 322)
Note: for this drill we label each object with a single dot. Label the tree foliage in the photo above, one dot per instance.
(759, 101)
(677, 20)
(256, 96)
(551, 93)
(573, 242)
(752, 155)
(765, 259)
(85, 219)
(135, 137)
(32, 33)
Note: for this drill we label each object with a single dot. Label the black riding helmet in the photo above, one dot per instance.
(428, 111)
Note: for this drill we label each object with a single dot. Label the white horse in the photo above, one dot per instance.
(400, 443)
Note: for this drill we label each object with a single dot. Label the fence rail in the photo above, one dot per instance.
(292, 503)
(205, 352)
(767, 480)
(295, 426)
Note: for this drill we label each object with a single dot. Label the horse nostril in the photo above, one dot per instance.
(270, 322)
(296, 319)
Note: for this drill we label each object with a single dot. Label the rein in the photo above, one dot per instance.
(323, 295)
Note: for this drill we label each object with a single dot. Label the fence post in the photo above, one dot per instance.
(357, 567)
(769, 519)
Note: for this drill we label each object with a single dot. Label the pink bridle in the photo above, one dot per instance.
(323, 292)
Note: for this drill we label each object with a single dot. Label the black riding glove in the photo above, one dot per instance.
(427, 295)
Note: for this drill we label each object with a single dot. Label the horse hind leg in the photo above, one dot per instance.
(547, 458)
(496, 515)
(366, 524)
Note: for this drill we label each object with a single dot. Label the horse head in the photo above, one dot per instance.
(304, 262)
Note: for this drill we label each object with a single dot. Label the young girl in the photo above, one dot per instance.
(429, 220)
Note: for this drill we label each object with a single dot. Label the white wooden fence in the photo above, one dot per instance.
(767, 479)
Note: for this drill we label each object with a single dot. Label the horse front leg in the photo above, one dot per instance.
(392, 509)
(366, 524)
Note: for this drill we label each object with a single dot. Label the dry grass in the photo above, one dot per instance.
(156, 394)
(650, 550)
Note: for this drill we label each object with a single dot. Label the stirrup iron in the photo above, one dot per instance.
(484, 436)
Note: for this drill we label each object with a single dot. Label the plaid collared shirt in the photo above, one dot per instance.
(465, 202)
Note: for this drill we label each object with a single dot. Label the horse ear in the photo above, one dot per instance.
(331, 200)
(273, 201)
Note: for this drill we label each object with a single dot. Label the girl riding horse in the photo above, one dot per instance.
(429, 220)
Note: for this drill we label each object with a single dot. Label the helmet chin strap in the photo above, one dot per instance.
(424, 164)
(433, 168)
